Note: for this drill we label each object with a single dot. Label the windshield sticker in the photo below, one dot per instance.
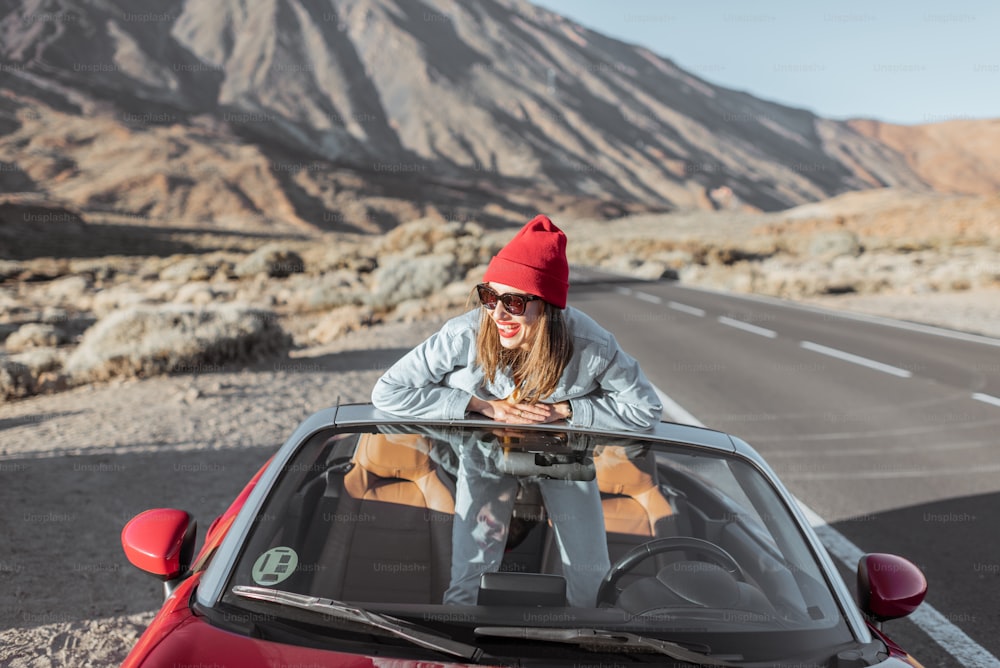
(274, 566)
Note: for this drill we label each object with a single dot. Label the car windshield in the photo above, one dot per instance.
(471, 531)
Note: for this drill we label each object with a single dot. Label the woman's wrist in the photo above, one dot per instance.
(476, 405)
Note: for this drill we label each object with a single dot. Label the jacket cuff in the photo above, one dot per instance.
(583, 413)
(455, 407)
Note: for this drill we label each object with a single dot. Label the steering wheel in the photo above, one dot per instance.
(609, 592)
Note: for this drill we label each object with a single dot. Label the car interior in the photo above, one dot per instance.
(373, 522)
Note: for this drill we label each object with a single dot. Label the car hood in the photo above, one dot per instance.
(195, 642)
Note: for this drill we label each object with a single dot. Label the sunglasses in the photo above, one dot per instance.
(514, 303)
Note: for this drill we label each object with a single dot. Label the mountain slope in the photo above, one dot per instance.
(496, 96)
(960, 156)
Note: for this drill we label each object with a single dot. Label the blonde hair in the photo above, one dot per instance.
(536, 371)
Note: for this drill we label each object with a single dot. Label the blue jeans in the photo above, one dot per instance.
(484, 499)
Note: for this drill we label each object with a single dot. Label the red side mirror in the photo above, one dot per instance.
(160, 541)
(889, 587)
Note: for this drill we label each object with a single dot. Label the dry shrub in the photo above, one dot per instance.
(16, 380)
(36, 371)
(400, 278)
(274, 260)
(835, 243)
(35, 335)
(320, 293)
(421, 236)
(145, 340)
(338, 322)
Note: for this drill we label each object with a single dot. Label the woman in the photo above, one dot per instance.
(525, 357)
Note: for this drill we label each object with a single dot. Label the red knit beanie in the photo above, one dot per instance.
(534, 261)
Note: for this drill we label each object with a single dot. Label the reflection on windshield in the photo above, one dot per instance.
(492, 472)
(494, 527)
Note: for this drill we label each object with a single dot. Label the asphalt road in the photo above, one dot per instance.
(889, 433)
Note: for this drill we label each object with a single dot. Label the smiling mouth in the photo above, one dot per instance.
(508, 331)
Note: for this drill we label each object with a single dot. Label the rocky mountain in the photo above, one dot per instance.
(359, 114)
(960, 156)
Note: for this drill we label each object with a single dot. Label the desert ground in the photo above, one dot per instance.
(84, 447)
(78, 464)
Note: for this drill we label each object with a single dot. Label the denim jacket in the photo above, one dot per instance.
(604, 385)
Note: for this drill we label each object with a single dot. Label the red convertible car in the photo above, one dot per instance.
(371, 540)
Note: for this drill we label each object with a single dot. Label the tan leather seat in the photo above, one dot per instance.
(630, 497)
(390, 536)
(635, 510)
(397, 468)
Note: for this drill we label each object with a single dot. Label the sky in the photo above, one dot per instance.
(906, 62)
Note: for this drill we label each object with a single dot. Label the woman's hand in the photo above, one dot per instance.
(504, 411)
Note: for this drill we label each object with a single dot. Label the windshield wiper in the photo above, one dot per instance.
(602, 639)
(342, 611)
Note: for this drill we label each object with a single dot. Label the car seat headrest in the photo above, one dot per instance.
(405, 456)
(617, 474)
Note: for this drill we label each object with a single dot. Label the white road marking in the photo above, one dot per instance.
(889, 474)
(940, 629)
(747, 327)
(951, 638)
(848, 315)
(986, 398)
(646, 297)
(880, 451)
(944, 428)
(684, 308)
(856, 359)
